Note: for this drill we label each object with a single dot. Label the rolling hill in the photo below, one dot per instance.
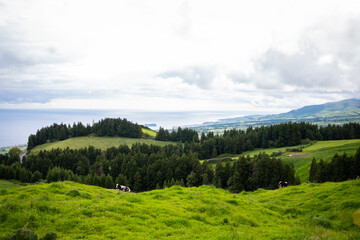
(328, 113)
(98, 142)
(76, 211)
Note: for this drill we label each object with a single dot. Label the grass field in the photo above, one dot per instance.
(319, 150)
(6, 184)
(98, 142)
(76, 211)
(149, 132)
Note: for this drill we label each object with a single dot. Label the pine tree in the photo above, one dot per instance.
(137, 182)
(102, 180)
(214, 152)
(109, 183)
(234, 182)
(121, 180)
(313, 171)
(191, 180)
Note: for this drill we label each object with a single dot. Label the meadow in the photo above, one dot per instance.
(98, 142)
(319, 150)
(76, 211)
(149, 132)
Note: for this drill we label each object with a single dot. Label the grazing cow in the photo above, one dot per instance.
(123, 188)
(283, 184)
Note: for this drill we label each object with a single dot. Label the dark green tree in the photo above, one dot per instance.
(137, 182)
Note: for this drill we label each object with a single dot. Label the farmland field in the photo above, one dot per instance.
(75, 211)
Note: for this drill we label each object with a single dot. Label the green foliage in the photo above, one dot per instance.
(22, 234)
(109, 183)
(73, 193)
(106, 127)
(13, 155)
(49, 236)
(341, 168)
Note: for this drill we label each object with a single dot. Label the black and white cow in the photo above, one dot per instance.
(123, 188)
(283, 184)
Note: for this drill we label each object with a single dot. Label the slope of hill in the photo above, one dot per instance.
(74, 211)
(320, 150)
(98, 142)
(328, 113)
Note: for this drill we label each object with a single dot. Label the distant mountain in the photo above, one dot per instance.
(349, 107)
(328, 113)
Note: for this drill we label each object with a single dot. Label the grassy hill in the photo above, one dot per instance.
(320, 150)
(98, 142)
(149, 132)
(76, 211)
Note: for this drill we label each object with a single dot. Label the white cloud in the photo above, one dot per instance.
(178, 55)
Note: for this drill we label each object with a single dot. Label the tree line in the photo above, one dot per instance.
(106, 127)
(179, 135)
(146, 167)
(285, 134)
(341, 168)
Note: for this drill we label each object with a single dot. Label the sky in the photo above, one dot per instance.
(160, 55)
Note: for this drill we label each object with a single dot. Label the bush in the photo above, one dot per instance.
(73, 193)
(22, 234)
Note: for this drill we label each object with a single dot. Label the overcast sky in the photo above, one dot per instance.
(164, 55)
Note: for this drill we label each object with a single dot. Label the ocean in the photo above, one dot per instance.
(17, 125)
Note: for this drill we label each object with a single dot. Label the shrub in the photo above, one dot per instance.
(73, 193)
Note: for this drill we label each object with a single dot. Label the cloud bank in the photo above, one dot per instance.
(184, 55)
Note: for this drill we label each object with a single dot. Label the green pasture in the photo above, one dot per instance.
(76, 211)
(6, 184)
(98, 142)
(149, 132)
(319, 150)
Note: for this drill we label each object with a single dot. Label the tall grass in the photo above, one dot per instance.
(74, 211)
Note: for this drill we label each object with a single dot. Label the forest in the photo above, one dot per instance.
(109, 127)
(238, 141)
(145, 167)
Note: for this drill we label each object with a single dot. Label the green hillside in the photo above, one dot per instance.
(149, 132)
(320, 150)
(98, 142)
(76, 211)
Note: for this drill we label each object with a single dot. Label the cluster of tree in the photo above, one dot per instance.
(107, 127)
(11, 157)
(111, 127)
(146, 167)
(250, 174)
(341, 168)
(179, 135)
(15, 171)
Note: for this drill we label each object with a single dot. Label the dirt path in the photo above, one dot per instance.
(299, 155)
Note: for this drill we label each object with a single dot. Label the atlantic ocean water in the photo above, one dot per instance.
(17, 125)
